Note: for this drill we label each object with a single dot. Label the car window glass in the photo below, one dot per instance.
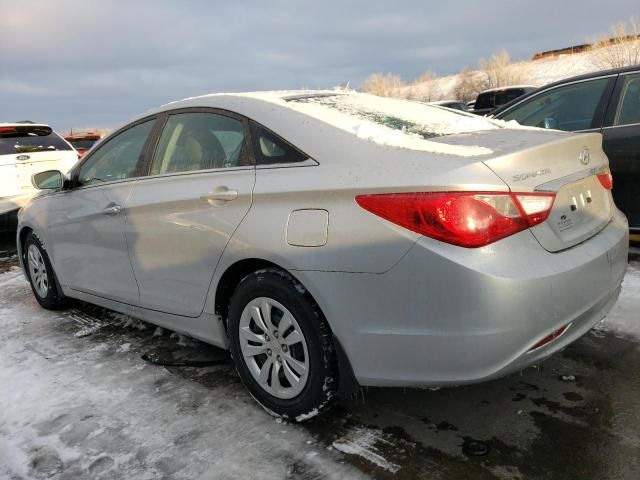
(629, 109)
(118, 158)
(28, 138)
(269, 148)
(199, 141)
(485, 100)
(505, 97)
(569, 107)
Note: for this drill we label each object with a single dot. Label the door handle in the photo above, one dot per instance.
(112, 210)
(220, 196)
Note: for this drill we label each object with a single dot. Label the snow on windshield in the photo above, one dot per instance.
(393, 122)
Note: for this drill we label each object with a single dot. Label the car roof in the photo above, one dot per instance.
(506, 87)
(22, 124)
(576, 78)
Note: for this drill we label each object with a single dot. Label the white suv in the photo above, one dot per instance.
(25, 149)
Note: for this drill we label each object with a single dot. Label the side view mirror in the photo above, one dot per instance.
(48, 180)
(550, 122)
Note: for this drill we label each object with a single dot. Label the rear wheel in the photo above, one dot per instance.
(282, 345)
(41, 275)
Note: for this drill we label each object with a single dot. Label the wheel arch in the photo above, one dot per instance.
(347, 383)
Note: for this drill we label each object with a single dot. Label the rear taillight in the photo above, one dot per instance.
(606, 179)
(467, 219)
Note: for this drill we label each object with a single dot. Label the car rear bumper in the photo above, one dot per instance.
(445, 315)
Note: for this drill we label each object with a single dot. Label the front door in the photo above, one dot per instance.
(181, 216)
(86, 223)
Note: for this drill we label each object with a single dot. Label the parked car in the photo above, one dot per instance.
(489, 100)
(82, 141)
(607, 102)
(455, 104)
(334, 239)
(27, 148)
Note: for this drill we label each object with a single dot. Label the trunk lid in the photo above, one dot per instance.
(566, 164)
(568, 167)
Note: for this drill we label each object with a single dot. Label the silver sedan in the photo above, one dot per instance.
(335, 239)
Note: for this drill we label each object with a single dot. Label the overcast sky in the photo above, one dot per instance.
(97, 63)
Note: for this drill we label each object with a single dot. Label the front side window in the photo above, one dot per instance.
(118, 158)
(199, 141)
(569, 107)
(629, 109)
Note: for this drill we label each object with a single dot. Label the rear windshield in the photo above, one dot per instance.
(24, 139)
(82, 143)
(392, 122)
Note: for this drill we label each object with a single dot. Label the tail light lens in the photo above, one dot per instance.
(467, 219)
(606, 179)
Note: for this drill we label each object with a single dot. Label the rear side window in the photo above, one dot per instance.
(269, 148)
(569, 107)
(505, 97)
(485, 100)
(30, 138)
(117, 159)
(629, 110)
(199, 141)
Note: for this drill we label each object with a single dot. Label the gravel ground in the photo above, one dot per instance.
(77, 401)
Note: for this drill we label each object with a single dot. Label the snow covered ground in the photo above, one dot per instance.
(77, 401)
(531, 72)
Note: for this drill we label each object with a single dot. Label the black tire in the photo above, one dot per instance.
(321, 384)
(53, 299)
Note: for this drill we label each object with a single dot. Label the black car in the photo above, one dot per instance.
(607, 102)
(489, 100)
(455, 104)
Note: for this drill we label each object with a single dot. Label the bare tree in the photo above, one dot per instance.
(622, 48)
(469, 84)
(499, 70)
(384, 85)
(423, 86)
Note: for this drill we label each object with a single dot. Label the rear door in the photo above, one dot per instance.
(622, 145)
(181, 216)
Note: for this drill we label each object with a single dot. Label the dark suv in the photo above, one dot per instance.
(607, 102)
(490, 100)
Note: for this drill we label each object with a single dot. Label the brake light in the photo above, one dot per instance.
(606, 179)
(466, 219)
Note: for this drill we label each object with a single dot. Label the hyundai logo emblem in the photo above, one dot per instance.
(585, 156)
(23, 157)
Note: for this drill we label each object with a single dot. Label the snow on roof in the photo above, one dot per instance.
(385, 121)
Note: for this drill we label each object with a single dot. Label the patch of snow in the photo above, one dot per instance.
(306, 416)
(624, 318)
(61, 417)
(124, 348)
(371, 118)
(361, 441)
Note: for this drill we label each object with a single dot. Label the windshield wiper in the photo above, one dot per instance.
(39, 148)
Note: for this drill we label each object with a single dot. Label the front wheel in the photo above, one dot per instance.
(41, 275)
(282, 345)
